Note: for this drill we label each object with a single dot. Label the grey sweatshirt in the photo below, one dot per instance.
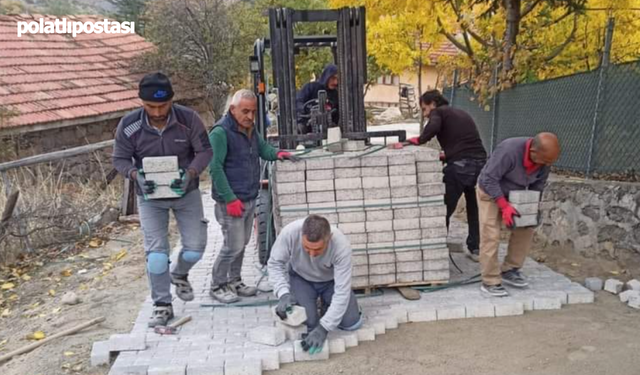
(505, 170)
(333, 264)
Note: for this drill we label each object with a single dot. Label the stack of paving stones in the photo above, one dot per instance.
(526, 202)
(629, 295)
(390, 204)
(221, 340)
(162, 170)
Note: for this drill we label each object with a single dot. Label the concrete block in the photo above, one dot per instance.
(379, 326)
(480, 310)
(381, 257)
(375, 171)
(155, 164)
(291, 199)
(398, 181)
(273, 336)
(206, 368)
(546, 303)
(593, 283)
(380, 246)
(373, 238)
(429, 166)
(402, 170)
(580, 296)
(332, 218)
(360, 282)
(366, 333)
(433, 222)
(382, 269)
(451, 312)
(426, 154)
(100, 353)
(320, 174)
(320, 163)
(290, 188)
(432, 276)
(527, 208)
(348, 183)
(401, 157)
(357, 238)
(523, 221)
(346, 162)
(426, 314)
(406, 213)
(359, 258)
(300, 355)
(362, 270)
(634, 302)
(269, 359)
(403, 267)
(405, 224)
(524, 196)
(349, 228)
(334, 135)
(348, 172)
(285, 351)
(127, 342)
(438, 232)
(382, 279)
(613, 286)
(429, 190)
(375, 182)
(626, 295)
(377, 204)
(374, 160)
(409, 256)
(291, 332)
(289, 166)
(432, 211)
(633, 285)
(128, 369)
(320, 185)
(162, 178)
(435, 254)
(350, 338)
(409, 277)
(337, 345)
(290, 176)
(172, 369)
(297, 316)
(322, 208)
(430, 178)
(351, 217)
(509, 308)
(243, 367)
(410, 234)
(349, 205)
(354, 146)
(296, 210)
(380, 215)
(321, 196)
(350, 195)
(378, 226)
(377, 193)
(400, 313)
(162, 192)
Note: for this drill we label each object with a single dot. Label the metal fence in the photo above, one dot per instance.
(596, 115)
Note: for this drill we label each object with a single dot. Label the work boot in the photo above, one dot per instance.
(160, 316)
(474, 254)
(184, 291)
(242, 289)
(494, 290)
(223, 293)
(515, 278)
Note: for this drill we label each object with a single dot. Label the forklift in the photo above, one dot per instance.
(350, 56)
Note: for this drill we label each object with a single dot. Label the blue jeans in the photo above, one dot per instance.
(236, 232)
(154, 219)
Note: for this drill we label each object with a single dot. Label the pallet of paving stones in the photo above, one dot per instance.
(390, 204)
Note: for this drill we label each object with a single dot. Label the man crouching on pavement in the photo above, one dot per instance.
(162, 128)
(317, 260)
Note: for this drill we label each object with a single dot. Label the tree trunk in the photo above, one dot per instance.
(512, 10)
(420, 87)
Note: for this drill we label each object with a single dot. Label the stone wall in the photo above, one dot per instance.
(595, 218)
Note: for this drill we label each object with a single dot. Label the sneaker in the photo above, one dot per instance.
(515, 278)
(494, 290)
(184, 291)
(474, 254)
(242, 289)
(224, 294)
(160, 316)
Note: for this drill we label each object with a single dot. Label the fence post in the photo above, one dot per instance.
(494, 109)
(453, 87)
(22, 228)
(603, 67)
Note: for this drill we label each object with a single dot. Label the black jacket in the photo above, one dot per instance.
(310, 91)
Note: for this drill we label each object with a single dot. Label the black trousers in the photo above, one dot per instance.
(461, 177)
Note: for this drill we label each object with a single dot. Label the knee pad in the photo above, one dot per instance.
(157, 263)
(354, 327)
(191, 256)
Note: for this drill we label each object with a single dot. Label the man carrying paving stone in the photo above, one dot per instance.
(160, 129)
(464, 154)
(311, 260)
(235, 174)
(515, 173)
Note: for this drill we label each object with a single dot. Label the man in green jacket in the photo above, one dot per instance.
(235, 173)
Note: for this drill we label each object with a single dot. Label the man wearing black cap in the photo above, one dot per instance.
(162, 128)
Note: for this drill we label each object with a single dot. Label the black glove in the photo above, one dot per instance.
(315, 340)
(180, 185)
(285, 304)
(147, 187)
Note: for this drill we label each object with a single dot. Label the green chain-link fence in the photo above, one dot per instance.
(596, 115)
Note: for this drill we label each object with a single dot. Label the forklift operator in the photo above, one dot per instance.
(329, 82)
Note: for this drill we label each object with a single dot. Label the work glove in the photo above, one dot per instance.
(285, 304)
(508, 212)
(315, 340)
(147, 187)
(180, 185)
(442, 156)
(284, 155)
(414, 141)
(235, 208)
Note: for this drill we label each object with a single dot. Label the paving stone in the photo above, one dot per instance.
(376, 226)
(377, 193)
(347, 162)
(402, 170)
(382, 279)
(296, 317)
(380, 237)
(527, 208)
(290, 176)
(351, 217)
(375, 183)
(362, 270)
(268, 335)
(375, 171)
(432, 211)
(243, 367)
(406, 213)
(359, 258)
(430, 178)
(524, 196)
(286, 165)
(423, 315)
(398, 181)
(379, 326)
(435, 264)
(523, 221)
(480, 310)
(433, 222)
(155, 164)
(546, 303)
(406, 224)
(128, 369)
(634, 302)
(430, 190)
(633, 284)
(403, 267)
(350, 205)
(374, 160)
(382, 269)
(300, 355)
(349, 228)
(285, 351)
(401, 157)
(321, 196)
(366, 333)
(425, 154)
(430, 233)
(360, 282)
(409, 277)
(451, 312)
(357, 238)
(350, 338)
(626, 295)
(320, 185)
(613, 286)
(593, 283)
(320, 174)
(167, 370)
(354, 146)
(162, 178)
(270, 359)
(429, 166)
(207, 368)
(401, 314)
(291, 199)
(381, 256)
(348, 183)
(377, 204)
(126, 342)
(100, 353)
(441, 275)
(347, 172)
(337, 345)
(409, 256)
(411, 234)
(290, 187)
(509, 308)
(580, 296)
(396, 202)
(381, 215)
(163, 191)
(322, 208)
(320, 163)
(351, 195)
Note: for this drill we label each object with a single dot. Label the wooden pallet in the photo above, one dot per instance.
(367, 290)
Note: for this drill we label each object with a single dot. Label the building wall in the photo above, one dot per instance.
(388, 94)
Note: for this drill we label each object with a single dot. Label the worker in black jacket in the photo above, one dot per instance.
(464, 156)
